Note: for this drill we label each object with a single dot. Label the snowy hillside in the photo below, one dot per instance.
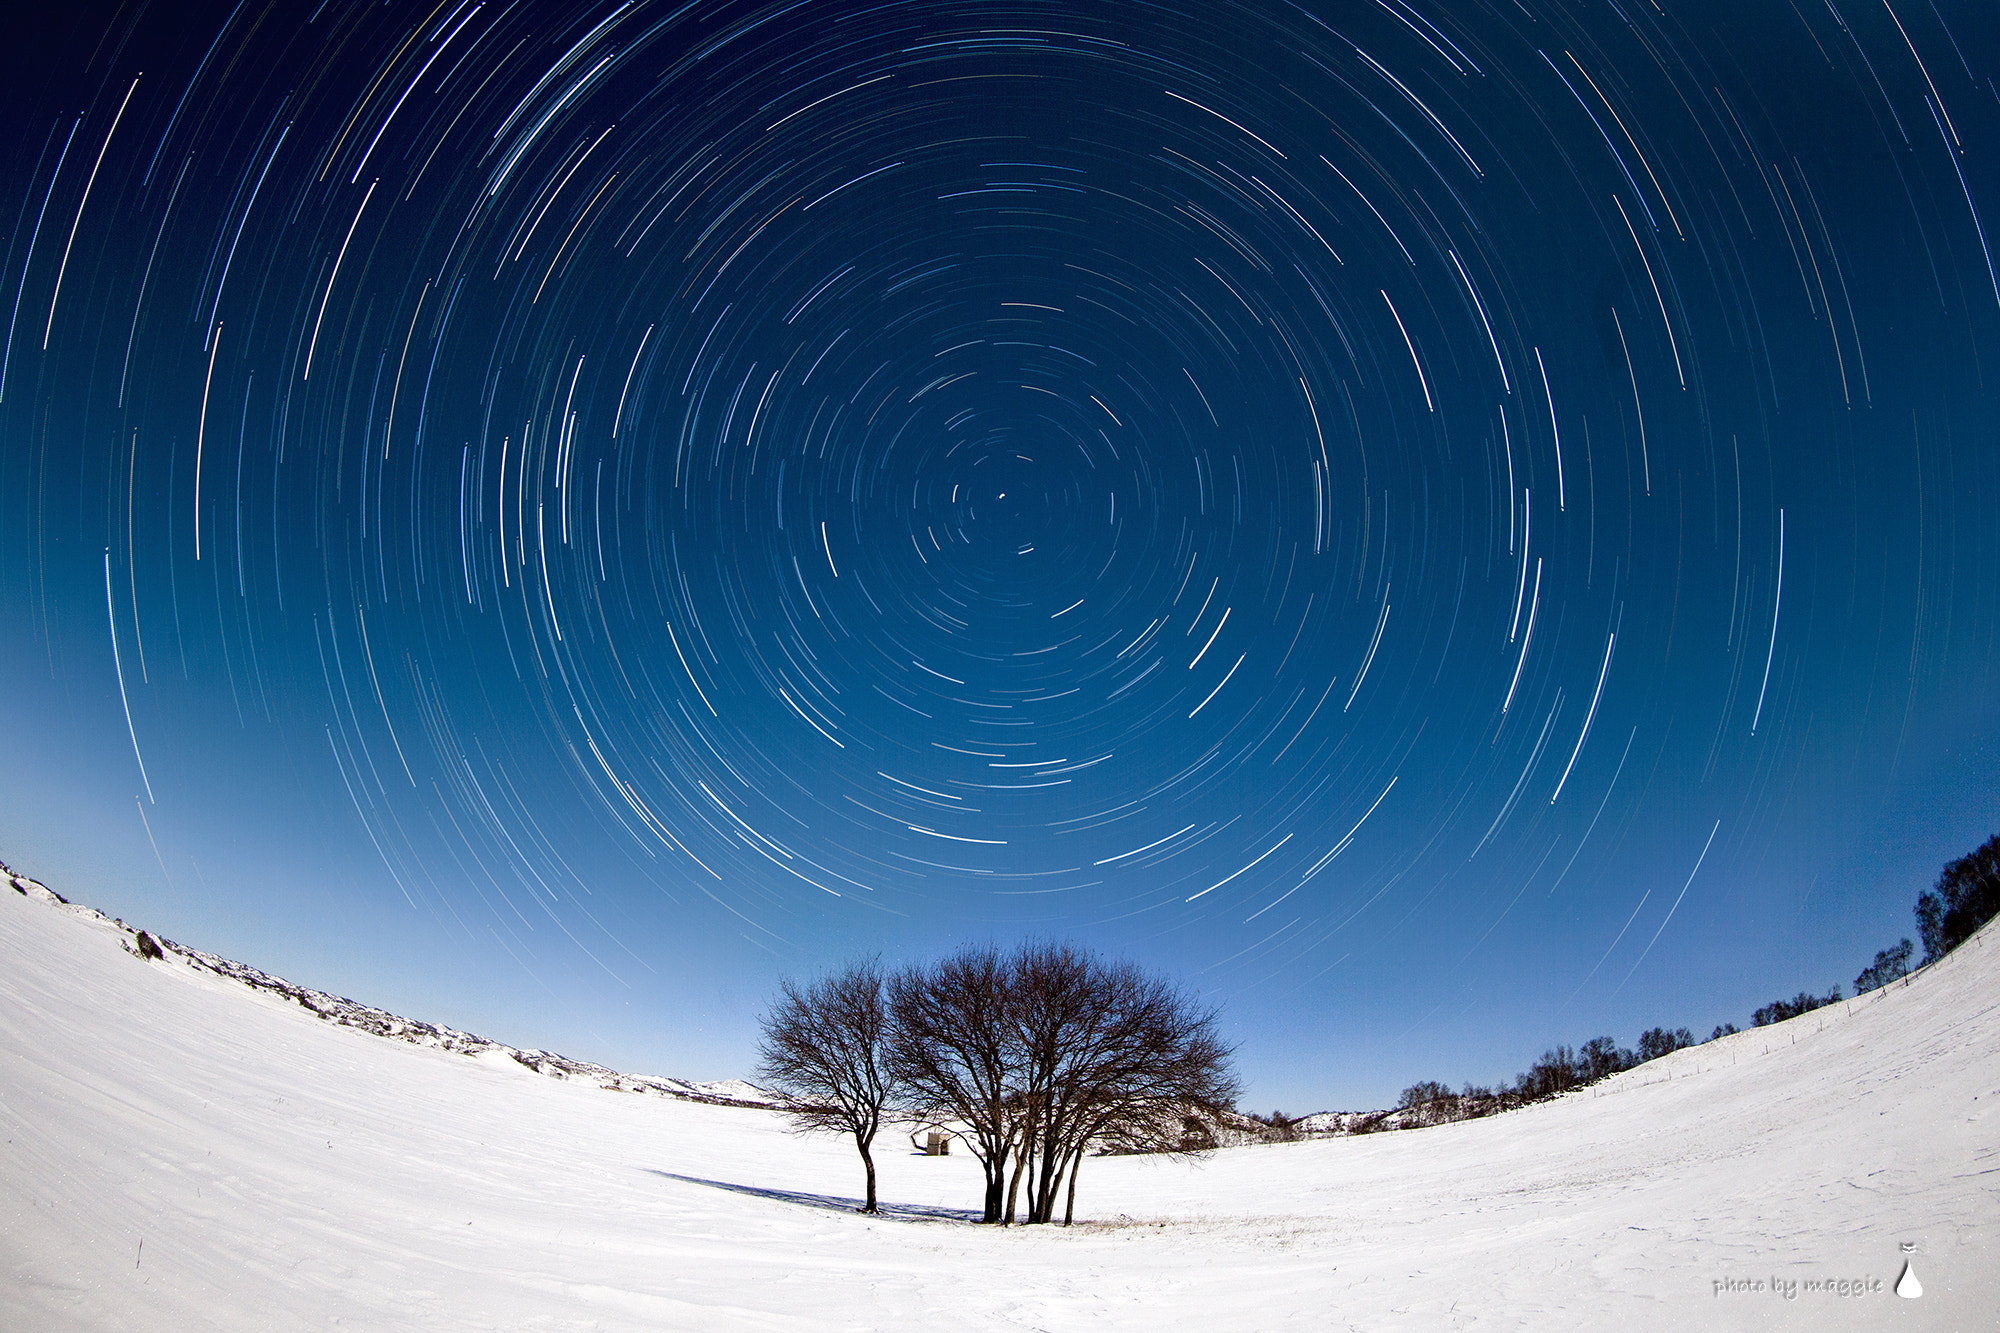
(382, 1023)
(185, 1151)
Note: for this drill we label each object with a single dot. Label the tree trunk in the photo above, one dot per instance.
(1049, 1188)
(1075, 1165)
(996, 1184)
(1024, 1165)
(868, 1161)
(1053, 1159)
(1021, 1163)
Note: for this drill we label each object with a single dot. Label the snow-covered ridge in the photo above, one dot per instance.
(381, 1023)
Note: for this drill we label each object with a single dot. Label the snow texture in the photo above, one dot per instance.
(184, 1150)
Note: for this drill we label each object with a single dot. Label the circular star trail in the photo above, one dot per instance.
(1410, 502)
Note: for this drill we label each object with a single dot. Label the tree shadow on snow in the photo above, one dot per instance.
(919, 1212)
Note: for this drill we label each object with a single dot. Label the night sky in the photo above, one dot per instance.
(1447, 528)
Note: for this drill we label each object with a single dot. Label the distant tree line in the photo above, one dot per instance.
(1777, 1011)
(1032, 1058)
(1965, 897)
(1560, 1069)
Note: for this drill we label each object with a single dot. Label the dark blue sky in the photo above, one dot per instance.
(1447, 528)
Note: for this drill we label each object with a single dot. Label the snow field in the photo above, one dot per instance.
(183, 1152)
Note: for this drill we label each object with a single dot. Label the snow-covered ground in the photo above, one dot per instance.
(182, 1151)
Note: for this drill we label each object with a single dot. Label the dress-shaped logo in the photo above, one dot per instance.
(1907, 1285)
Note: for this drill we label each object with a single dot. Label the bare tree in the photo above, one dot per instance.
(1601, 1057)
(1161, 1070)
(1550, 1076)
(1058, 1004)
(823, 1047)
(1034, 1057)
(1889, 965)
(1115, 1059)
(1656, 1042)
(951, 1045)
(1967, 895)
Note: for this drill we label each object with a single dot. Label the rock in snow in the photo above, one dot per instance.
(185, 1150)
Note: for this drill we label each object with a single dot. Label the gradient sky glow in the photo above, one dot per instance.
(1450, 528)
